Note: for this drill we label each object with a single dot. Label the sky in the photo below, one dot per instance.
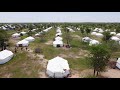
(32, 17)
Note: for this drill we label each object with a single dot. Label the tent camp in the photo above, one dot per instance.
(57, 43)
(5, 56)
(118, 63)
(23, 43)
(58, 68)
(86, 39)
(15, 35)
(30, 39)
(93, 42)
(58, 38)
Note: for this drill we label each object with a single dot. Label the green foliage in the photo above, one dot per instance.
(106, 36)
(100, 55)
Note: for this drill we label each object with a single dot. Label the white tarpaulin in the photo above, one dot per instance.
(93, 33)
(99, 35)
(15, 35)
(58, 38)
(86, 39)
(58, 68)
(71, 30)
(118, 63)
(46, 30)
(5, 56)
(23, 42)
(115, 38)
(112, 33)
(23, 33)
(30, 39)
(58, 34)
(93, 42)
(57, 42)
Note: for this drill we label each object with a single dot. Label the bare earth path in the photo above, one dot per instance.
(111, 73)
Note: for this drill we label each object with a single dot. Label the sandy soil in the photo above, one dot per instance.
(111, 73)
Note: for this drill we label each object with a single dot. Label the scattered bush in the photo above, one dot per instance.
(37, 50)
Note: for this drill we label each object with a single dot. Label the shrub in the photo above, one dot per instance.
(37, 50)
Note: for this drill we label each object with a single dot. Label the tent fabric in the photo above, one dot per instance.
(16, 35)
(23, 33)
(59, 38)
(23, 42)
(57, 42)
(57, 68)
(5, 56)
(112, 33)
(115, 38)
(30, 39)
(71, 30)
(58, 34)
(118, 35)
(93, 33)
(46, 30)
(118, 63)
(99, 35)
(86, 39)
(93, 42)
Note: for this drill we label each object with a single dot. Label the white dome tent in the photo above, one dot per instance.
(58, 68)
(15, 35)
(23, 33)
(94, 42)
(58, 34)
(100, 30)
(58, 38)
(99, 35)
(5, 56)
(30, 39)
(24, 43)
(112, 33)
(115, 38)
(46, 30)
(86, 39)
(118, 63)
(118, 35)
(57, 43)
(93, 33)
(71, 30)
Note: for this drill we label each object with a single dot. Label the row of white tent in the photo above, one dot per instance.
(90, 41)
(25, 42)
(46, 30)
(71, 30)
(15, 35)
(58, 40)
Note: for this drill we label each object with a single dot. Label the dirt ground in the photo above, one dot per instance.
(111, 73)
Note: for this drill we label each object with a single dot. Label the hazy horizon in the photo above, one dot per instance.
(59, 17)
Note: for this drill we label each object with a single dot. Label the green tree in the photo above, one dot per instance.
(100, 55)
(106, 36)
(88, 30)
(3, 38)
